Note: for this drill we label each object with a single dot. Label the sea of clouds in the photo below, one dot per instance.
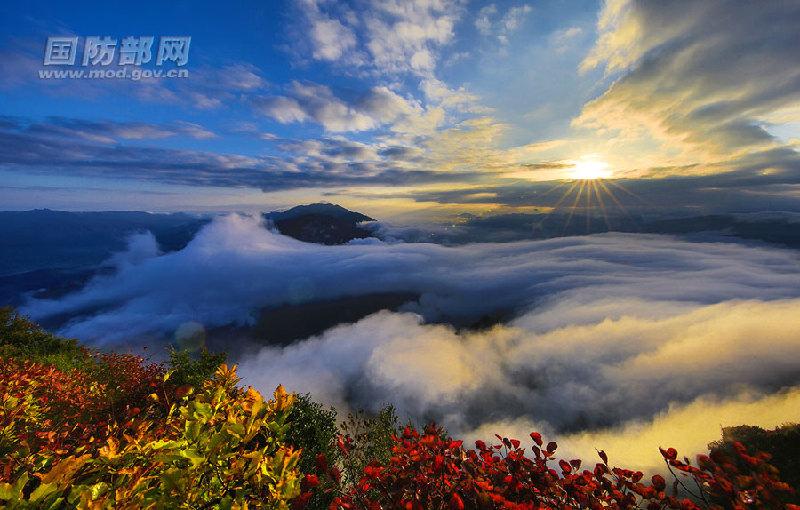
(619, 341)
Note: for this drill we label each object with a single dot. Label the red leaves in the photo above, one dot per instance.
(431, 471)
(310, 481)
(342, 444)
(72, 409)
(669, 453)
(456, 503)
(658, 482)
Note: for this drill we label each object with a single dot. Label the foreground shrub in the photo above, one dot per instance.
(317, 431)
(45, 409)
(193, 368)
(217, 446)
(431, 471)
(23, 339)
(782, 443)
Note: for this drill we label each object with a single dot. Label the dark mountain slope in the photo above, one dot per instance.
(320, 223)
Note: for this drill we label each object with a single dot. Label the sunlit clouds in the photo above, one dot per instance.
(363, 95)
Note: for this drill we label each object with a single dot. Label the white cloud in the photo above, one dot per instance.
(379, 107)
(483, 21)
(514, 17)
(331, 39)
(393, 36)
(562, 39)
(283, 109)
(487, 23)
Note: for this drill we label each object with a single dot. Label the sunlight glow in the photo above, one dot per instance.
(589, 167)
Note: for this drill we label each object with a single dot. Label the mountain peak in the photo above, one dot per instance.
(321, 223)
(319, 208)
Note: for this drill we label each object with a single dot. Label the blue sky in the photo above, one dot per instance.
(430, 106)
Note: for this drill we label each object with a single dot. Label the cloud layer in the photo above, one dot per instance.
(234, 266)
(613, 334)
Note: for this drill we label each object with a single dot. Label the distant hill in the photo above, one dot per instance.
(776, 228)
(320, 223)
(57, 251)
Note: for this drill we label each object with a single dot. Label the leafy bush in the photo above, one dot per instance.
(219, 446)
(23, 339)
(431, 471)
(782, 443)
(315, 429)
(193, 370)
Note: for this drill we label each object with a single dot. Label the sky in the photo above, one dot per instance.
(409, 109)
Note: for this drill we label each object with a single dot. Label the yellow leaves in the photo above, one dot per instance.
(226, 376)
(110, 450)
(62, 472)
(7, 491)
(283, 400)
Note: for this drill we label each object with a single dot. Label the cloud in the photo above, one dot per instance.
(562, 39)
(506, 277)
(378, 107)
(687, 427)
(483, 20)
(487, 23)
(460, 98)
(331, 39)
(705, 80)
(108, 132)
(74, 147)
(582, 363)
(514, 17)
(378, 36)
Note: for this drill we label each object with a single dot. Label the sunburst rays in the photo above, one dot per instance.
(589, 196)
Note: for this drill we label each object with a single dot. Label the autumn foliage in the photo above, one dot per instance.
(123, 436)
(431, 471)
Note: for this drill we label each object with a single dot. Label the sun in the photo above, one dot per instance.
(590, 168)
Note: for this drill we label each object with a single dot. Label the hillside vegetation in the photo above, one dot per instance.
(85, 429)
